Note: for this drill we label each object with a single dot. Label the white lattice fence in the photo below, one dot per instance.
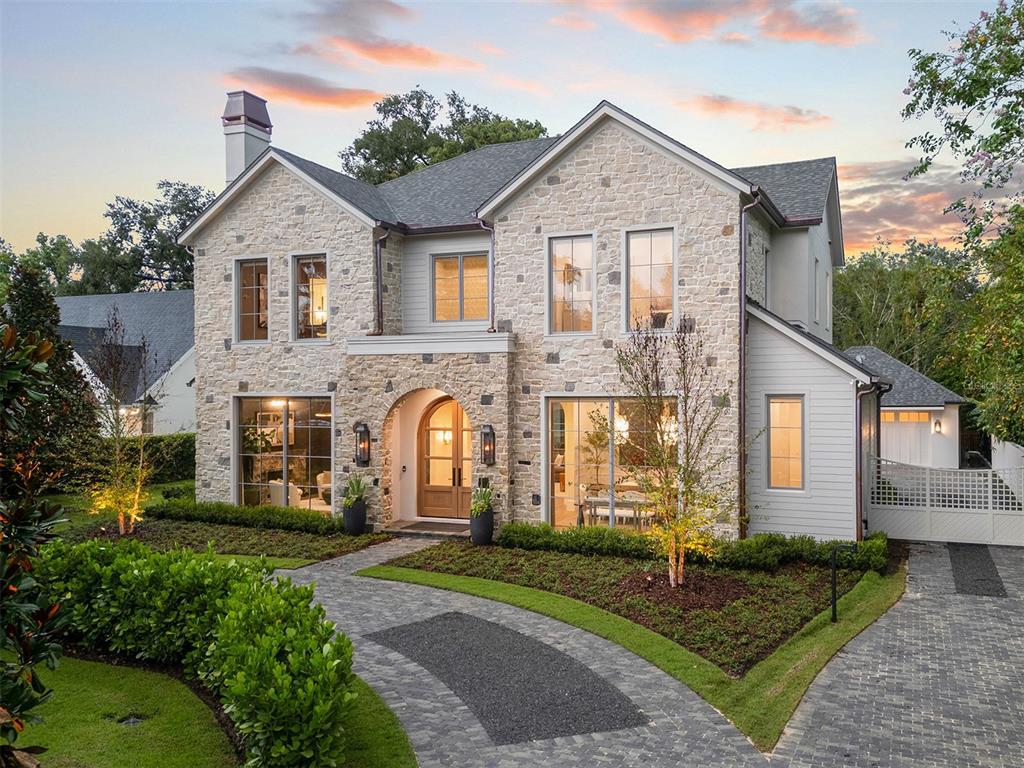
(970, 505)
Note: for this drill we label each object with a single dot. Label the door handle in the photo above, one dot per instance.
(460, 476)
(453, 477)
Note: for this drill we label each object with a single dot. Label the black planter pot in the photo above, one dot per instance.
(355, 518)
(481, 528)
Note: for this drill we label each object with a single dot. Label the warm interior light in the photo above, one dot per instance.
(446, 437)
(322, 415)
(317, 301)
(668, 430)
(278, 403)
(621, 430)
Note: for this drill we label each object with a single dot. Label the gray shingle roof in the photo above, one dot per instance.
(909, 388)
(449, 192)
(799, 190)
(165, 318)
(363, 196)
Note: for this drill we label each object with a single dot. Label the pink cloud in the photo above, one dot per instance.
(522, 84)
(572, 20)
(490, 50)
(764, 117)
(827, 24)
(398, 53)
(300, 89)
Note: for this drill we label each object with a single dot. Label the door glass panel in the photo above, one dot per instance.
(439, 472)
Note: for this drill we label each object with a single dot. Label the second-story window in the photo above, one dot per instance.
(252, 281)
(571, 272)
(310, 297)
(460, 287)
(650, 297)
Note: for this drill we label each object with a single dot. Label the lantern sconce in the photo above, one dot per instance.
(487, 444)
(937, 427)
(362, 444)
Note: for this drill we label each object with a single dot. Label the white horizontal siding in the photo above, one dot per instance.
(416, 254)
(826, 507)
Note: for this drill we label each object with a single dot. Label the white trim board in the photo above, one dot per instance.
(455, 342)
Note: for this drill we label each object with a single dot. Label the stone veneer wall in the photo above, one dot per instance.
(758, 245)
(613, 180)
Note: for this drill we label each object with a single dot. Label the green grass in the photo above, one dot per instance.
(81, 728)
(376, 738)
(285, 563)
(760, 703)
(76, 505)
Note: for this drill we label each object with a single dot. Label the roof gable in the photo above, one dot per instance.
(601, 113)
(800, 190)
(909, 387)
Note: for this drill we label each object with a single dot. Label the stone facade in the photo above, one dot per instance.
(612, 181)
(758, 244)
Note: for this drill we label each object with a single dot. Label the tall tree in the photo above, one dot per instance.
(145, 231)
(910, 303)
(416, 129)
(975, 90)
(64, 425)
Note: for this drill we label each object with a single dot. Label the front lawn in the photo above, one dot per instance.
(295, 547)
(761, 701)
(720, 615)
(76, 505)
(90, 722)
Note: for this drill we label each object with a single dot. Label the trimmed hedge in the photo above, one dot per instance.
(173, 457)
(186, 492)
(281, 518)
(283, 675)
(761, 552)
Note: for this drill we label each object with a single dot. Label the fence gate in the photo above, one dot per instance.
(978, 506)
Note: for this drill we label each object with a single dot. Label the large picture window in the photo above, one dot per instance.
(284, 452)
(786, 442)
(571, 284)
(460, 287)
(252, 282)
(310, 308)
(595, 446)
(649, 285)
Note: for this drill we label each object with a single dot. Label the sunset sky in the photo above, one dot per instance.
(105, 99)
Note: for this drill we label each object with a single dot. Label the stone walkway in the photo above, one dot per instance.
(938, 681)
(682, 729)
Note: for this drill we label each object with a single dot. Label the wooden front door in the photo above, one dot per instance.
(446, 450)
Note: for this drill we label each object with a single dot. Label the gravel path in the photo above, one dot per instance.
(676, 727)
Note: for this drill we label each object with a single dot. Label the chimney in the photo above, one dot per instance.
(246, 131)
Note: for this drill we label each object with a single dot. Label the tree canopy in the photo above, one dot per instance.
(416, 129)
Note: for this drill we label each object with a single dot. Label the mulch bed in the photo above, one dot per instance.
(731, 618)
(204, 694)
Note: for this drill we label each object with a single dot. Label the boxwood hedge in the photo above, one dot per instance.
(282, 518)
(283, 675)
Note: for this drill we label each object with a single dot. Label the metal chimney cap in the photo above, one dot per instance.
(245, 107)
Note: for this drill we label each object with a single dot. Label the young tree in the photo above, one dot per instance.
(410, 134)
(64, 425)
(124, 370)
(678, 400)
(975, 92)
(28, 623)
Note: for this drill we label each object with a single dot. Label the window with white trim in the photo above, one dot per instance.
(650, 297)
(459, 290)
(309, 310)
(251, 281)
(786, 441)
(571, 284)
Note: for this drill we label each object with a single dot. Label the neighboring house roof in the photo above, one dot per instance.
(819, 346)
(799, 190)
(452, 193)
(909, 388)
(164, 318)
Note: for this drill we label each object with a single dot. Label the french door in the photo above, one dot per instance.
(446, 450)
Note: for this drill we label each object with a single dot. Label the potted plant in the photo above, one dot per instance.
(354, 506)
(481, 517)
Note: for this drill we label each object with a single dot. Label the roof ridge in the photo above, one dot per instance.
(325, 167)
(459, 157)
(787, 162)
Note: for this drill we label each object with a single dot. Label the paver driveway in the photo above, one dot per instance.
(679, 728)
(937, 681)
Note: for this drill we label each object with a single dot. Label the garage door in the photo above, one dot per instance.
(918, 503)
(906, 437)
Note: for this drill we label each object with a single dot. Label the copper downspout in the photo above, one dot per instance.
(880, 388)
(490, 277)
(378, 286)
(742, 384)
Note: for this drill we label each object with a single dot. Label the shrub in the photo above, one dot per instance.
(282, 674)
(173, 457)
(760, 552)
(186, 492)
(282, 518)
(287, 689)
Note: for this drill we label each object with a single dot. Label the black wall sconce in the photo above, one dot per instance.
(487, 444)
(362, 444)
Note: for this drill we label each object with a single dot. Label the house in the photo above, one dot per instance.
(920, 418)
(458, 325)
(164, 319)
